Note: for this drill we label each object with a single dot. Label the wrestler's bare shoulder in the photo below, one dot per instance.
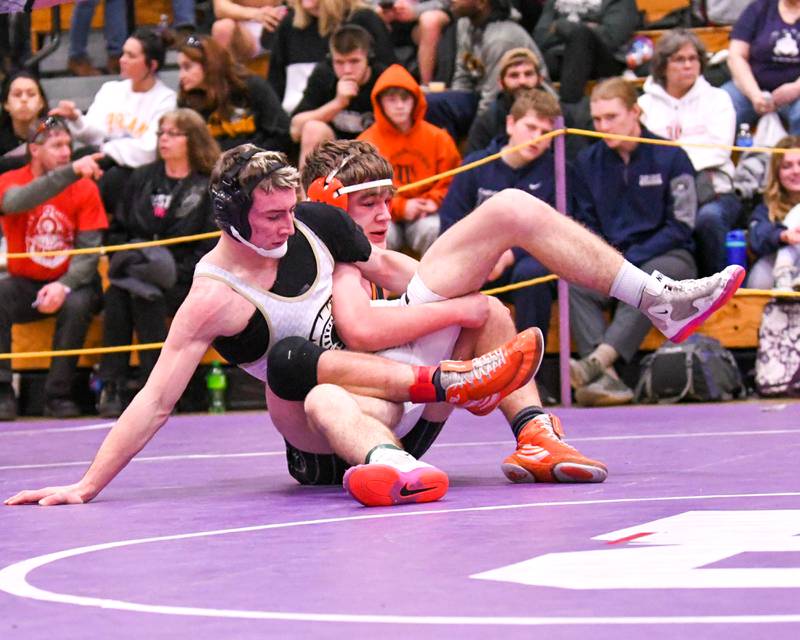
(216, 307)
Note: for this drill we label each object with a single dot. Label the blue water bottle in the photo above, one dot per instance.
(736, 247)
(744, 138)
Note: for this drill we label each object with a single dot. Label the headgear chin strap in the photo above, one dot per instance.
(330, 189)
(277, 252)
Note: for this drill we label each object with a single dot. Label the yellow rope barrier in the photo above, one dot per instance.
(82, 352)
(117, 247)
(771, 293)
(755, 293)
(520, 285)
(407, 187)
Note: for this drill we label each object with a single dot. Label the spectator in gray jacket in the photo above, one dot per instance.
(484, 33)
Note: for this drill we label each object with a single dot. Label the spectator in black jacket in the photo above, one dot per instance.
(238, 106)
(585, 39)
(164, 199)
(301, 40)
(337, 102)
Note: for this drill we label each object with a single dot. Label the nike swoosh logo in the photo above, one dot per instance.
(661, 313)
(405, 491)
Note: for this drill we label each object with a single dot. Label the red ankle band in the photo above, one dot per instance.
(423, 390)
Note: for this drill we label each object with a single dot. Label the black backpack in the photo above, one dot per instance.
(700, 369)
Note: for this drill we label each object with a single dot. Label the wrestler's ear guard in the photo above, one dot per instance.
(328, 190)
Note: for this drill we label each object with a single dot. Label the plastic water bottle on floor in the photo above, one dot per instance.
(744, 138)
(216, 383)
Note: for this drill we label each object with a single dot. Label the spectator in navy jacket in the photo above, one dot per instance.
(641, 198)
(530, 169)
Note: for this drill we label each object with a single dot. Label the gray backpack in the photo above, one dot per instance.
(700, 369)
(778, 357)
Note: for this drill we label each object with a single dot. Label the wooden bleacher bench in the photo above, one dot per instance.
(38, 336)
(735, 326)
(147, 12)
(42, 23)
(713, 38)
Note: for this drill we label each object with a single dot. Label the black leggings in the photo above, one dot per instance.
(583, 57)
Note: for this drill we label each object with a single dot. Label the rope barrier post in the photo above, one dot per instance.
(563, 287)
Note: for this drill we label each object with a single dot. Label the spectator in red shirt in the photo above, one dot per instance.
(50, 204)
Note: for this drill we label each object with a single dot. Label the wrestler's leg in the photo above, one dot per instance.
(515, 218)
(296, 365)
(358, 430)
(331, 420)
(461, 259)
(541, 454)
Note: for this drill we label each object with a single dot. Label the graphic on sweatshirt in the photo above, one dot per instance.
(51, 231)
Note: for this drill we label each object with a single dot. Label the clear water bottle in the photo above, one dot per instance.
(744, 138)
(216, 383)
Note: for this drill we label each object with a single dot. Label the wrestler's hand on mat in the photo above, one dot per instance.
(472, 310)
(68, 494)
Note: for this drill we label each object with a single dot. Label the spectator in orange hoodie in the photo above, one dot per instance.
(416, 149)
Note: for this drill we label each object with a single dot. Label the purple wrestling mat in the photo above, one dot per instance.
(696, 534)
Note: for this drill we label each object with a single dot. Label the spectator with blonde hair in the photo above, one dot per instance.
(164, 199)
(774, 230)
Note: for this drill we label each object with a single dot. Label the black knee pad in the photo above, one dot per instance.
(292, 368)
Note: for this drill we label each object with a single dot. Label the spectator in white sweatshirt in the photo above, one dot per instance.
(679, 104)
(123, 118)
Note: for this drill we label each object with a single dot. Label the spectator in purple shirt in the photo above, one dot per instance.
(765, 62)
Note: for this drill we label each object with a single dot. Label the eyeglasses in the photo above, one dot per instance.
(170, 134)
(684, 59)
(49, 123)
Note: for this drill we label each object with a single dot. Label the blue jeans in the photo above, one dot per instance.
(115, 29)
(745, 112)
(714, 219)
(183, 13)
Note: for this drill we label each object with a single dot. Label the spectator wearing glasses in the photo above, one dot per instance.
(238, 106)
(679, 104)
(164, 199)
(50, 204)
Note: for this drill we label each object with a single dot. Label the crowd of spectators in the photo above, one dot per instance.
(475, 78)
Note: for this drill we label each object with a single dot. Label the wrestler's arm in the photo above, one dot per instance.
(198, 321)
(390, 270)
(364, 327)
